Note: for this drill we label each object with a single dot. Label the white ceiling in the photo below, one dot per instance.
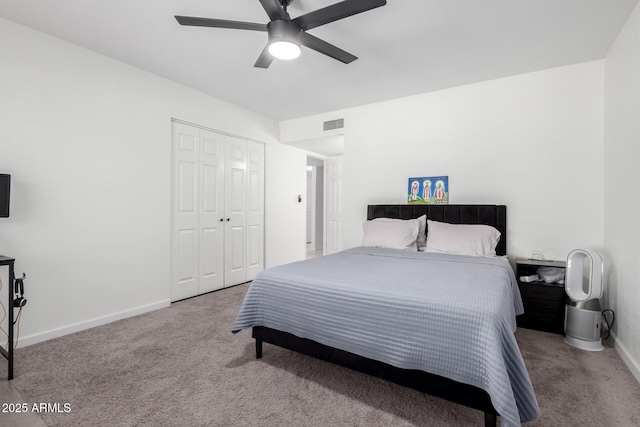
(404, 48)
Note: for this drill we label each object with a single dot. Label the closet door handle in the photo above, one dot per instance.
(221, 219)
(228, 219)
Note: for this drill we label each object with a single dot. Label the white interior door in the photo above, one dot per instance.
(235, 211)
(333, 191)
(310, 208)
(255, 209)
(217, 219)
(185, 190)
(211, 219)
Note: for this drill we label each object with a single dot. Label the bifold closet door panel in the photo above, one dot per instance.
(184, 227)
(211, 218)
(235, 233)
(255, 209)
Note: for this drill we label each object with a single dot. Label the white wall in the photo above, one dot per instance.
(621, 178)
(87, 141)
(285, 226)
(533, 142)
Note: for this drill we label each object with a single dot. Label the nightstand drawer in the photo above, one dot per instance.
(543, 305)
(539, 291)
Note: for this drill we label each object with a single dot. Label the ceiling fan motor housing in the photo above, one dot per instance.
(284, 30)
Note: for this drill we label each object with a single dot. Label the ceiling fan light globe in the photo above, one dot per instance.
(284, 49)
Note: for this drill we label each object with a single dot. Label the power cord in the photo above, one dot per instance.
(17, 327)
(606, 321)
(4, 316)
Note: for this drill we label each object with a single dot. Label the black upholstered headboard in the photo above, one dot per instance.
(493, 215)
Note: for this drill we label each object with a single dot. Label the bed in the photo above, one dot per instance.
(406, 316)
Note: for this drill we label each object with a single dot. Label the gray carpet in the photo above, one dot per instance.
(182, 366)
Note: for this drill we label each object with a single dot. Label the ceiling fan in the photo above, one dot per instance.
(286, 34)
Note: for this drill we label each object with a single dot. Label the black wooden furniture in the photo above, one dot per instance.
(464, 394)
(544, 303)
(8, 352)
(425, 382)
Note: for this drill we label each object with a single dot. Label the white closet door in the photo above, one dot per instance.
(235, 211)
(211, 226)
(255, 209)
(185, 190)
(217, 221)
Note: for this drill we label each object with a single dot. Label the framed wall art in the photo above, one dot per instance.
(428, 190)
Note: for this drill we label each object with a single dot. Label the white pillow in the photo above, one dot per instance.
(421, 240)
(463, 239)
(391, 234)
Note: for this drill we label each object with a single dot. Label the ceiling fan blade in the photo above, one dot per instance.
(220, 23)
(335, 12)
(275, 10)
(328, 49)
(265, 59)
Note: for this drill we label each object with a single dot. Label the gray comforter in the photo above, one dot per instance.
(449, 315)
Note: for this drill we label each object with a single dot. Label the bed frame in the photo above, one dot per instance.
(464, 394)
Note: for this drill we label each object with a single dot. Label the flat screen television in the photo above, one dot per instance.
(5, 190)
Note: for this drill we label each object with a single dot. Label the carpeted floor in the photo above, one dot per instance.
(182, 366)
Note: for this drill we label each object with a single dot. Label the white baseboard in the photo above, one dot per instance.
(98, 321)
(627, 358)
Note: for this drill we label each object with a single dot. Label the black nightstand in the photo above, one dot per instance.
(544, 303)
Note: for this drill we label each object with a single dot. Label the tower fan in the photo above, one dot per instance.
(583, 312)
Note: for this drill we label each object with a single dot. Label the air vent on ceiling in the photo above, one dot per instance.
(333, 124)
